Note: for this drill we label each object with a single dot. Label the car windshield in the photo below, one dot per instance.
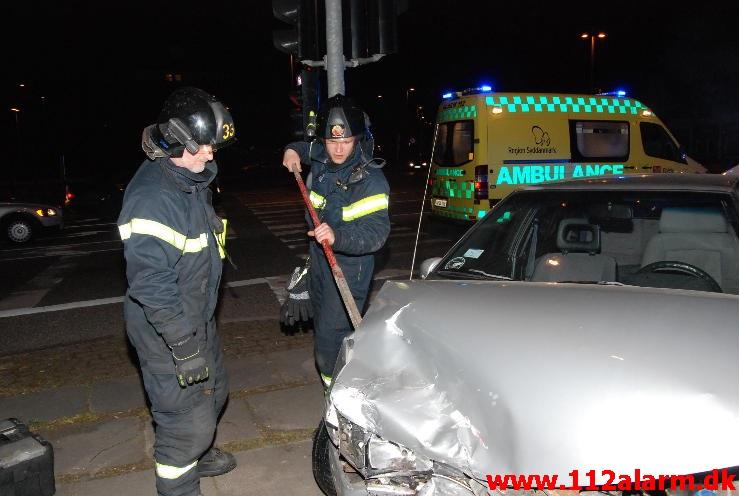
(675, 240)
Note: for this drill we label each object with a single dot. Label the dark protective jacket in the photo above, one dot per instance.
(173, 261)
(358, 215)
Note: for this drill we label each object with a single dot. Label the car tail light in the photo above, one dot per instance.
(481, 182)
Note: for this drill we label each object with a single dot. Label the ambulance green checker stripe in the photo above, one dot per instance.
(458, 113)
(453, 215)
(453, 189)
(544, 103)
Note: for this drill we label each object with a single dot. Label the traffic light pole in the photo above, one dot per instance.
(334, 48)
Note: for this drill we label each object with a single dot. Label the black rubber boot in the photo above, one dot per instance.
(216, 462)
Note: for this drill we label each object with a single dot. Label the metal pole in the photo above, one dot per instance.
(334, 48)
(592, 63)
(341, 284)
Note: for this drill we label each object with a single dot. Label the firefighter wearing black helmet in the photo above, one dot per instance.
(351, 196)
(174, 244)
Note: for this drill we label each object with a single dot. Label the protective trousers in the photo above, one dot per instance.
(330, 319)
(185, 418)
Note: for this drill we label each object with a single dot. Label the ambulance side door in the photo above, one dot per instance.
(661, 151)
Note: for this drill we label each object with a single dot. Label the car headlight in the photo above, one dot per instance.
(45, 212)
(352, 442)
(386, 456)
(373, 456)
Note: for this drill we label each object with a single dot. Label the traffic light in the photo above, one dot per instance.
(302, 40)
(370, 27)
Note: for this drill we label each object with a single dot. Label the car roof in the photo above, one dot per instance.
(725, 183)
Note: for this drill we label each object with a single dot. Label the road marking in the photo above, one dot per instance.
(55, 308)
(269, 212)
(104, 301)
(33, 291)
(277, 283)
(263, 205)
(75, 245)
(289, 231)
(77, 225)
(62, 254)
(278, 221)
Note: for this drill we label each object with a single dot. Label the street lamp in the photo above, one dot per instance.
(592, 38)
(17, 112)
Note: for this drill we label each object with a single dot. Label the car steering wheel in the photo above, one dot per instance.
(682, 268)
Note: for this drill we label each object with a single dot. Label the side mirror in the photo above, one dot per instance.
(428, 265)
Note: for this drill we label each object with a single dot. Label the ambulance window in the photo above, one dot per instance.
(454, 141)
(657, 143)
(599, 140)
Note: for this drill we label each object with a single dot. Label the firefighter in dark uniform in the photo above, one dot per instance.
(174, 244)
(351, 197)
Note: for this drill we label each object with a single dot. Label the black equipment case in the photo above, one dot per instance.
(26, 461)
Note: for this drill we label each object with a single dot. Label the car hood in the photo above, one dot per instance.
(538, 378)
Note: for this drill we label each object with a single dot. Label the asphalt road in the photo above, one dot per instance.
(67, 287)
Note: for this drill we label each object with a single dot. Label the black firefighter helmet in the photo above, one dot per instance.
(340, 117)
(189, 119)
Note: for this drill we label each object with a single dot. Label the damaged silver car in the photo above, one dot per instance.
(584, 327)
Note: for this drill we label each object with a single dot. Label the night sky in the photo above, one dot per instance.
(101, 67)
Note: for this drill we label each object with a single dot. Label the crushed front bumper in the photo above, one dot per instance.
(352, 484)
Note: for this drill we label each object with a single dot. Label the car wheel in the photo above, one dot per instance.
(321, 465)
(20, 230)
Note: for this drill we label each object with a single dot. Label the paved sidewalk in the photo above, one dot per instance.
(87, 399)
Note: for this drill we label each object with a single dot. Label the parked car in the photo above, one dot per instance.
(94, 197)
(581, 325)
(20, 222)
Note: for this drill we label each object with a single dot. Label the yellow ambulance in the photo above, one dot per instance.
(487, 143)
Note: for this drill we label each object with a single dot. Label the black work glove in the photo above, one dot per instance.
(189, 361)
(297, 305)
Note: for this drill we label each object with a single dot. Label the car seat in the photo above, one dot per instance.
(698, 236)
(579, 258)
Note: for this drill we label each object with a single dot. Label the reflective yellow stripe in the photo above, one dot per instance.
(365, 206)
(221, 239)
(172, 472)
(317, 200)
(165, 233)
(326, 379)
(197, 244)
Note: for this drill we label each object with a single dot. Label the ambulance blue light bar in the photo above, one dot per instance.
(613, 93)
(485, 88)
